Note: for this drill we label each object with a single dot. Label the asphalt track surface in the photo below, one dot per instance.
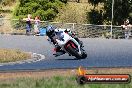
(101, 53)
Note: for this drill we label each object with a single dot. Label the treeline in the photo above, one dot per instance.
(45, 9)
(48, 10)
(122, 11)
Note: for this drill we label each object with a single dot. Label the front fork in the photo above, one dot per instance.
(79, 47)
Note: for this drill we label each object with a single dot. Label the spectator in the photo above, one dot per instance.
(127, 28)
(1, 20)
(36, 25)
(1, 15)
(127, 21)
(28, 23)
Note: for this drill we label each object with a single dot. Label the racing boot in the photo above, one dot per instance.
(58, 54)
(58, 51)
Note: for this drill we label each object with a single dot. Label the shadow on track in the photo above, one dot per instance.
(70, 59)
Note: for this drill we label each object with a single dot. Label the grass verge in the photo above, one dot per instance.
(57, 79)
(7, 55)
(55, 82)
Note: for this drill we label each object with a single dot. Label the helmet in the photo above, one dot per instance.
(56, 30)
(68, 29)
(50, 28)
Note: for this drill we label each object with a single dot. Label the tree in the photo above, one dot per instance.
(122, 9)
(46, 9)
(95, 2)
(95, 16)
(64, 1)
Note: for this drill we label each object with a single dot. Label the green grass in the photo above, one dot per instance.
(55, 82)
(7, 55)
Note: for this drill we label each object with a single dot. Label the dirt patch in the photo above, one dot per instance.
(11, 55)
(61, 72)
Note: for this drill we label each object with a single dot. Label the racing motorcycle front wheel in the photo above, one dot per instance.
(75, 53)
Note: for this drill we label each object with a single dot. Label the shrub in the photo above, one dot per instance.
(7, 2)
(47, 10)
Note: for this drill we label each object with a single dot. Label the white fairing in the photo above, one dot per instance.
(65, 39)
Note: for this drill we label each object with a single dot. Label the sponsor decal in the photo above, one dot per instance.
(83, 78)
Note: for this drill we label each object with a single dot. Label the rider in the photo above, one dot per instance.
(53, 33)
(52, 36)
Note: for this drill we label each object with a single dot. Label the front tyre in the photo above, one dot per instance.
(73, 52)
(84, 55)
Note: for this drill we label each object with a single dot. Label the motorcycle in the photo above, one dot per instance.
(70, 45)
